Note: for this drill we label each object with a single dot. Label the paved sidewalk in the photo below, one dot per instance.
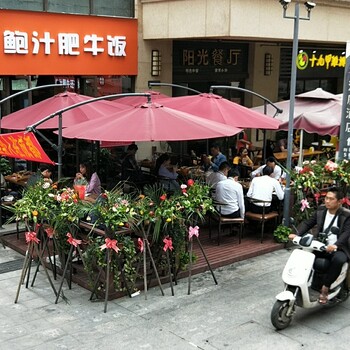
(235, 314)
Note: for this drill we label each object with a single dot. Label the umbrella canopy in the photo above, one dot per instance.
(316, 111)
(27, 116)
(216, 108)
(324, 121)
(137, 100)
(149, 122)
(318, 93)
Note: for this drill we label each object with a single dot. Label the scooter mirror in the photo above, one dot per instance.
(306, 240)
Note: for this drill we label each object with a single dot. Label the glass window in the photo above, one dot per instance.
(121, 8)
(68, 6)
(311, 84)
(31, 5)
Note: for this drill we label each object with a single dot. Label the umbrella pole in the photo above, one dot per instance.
(59, 146)
(300, 162)
(264, 145)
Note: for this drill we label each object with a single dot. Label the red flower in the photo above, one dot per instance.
(317, 197)
(163, 197)
(190, 182)
(304, 170)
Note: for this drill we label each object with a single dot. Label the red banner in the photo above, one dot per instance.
(23, 145)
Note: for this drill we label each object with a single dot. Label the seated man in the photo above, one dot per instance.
(43, 173)
(130, 169)
(337, 251)
(262, 188)
(220, 175)
(229, 193)
(277, 172)
(217, 158)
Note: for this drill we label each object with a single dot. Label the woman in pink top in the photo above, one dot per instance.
(94, 184)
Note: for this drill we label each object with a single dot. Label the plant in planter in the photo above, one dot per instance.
(281, 234)
(5, 167)
(113, 211)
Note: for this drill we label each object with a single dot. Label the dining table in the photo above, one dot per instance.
(20, 178)
(328, 148)
(307, 153)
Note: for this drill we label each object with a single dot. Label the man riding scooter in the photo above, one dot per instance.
(337, 252)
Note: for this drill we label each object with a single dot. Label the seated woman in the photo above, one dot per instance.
(93, 187)
(243, 163)
(243, 158)
(167, 173)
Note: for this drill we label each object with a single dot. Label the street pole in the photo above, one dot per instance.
(293, 79)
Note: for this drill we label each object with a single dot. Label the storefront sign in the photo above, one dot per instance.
(216, 60)
(320, 60)
(344, 138)
(313, 63)
(23, 145)
(38, 43)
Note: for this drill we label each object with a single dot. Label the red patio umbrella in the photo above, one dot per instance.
(19, 120)
(216, 108)
(316, 111)
(323, 121)
(137, 100)
(149, 122)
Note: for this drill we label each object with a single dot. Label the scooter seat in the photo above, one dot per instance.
(321, 265)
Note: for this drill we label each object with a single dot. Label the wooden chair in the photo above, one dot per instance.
(222, 221)
(262, 218)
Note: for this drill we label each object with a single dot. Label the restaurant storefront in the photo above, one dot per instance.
(316, 67)
(92, 55)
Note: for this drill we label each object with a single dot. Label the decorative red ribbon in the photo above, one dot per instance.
(110, 244)
(168, 243)
(193, 231)
(31, 237)
(73, 241)
(140, 244)
(50, 232)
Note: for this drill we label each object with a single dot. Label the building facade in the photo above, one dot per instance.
(245, 44)
(194, 43)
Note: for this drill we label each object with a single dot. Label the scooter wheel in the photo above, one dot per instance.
(279, 318)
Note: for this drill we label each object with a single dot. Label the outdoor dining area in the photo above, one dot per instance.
(138, 231)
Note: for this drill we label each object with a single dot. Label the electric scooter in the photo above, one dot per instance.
(302, 277)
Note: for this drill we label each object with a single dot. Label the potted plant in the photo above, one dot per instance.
(281, 233)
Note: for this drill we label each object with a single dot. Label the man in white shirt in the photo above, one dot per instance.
(229, 193)
(261, 188)
(277, 174)
(218, 176)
